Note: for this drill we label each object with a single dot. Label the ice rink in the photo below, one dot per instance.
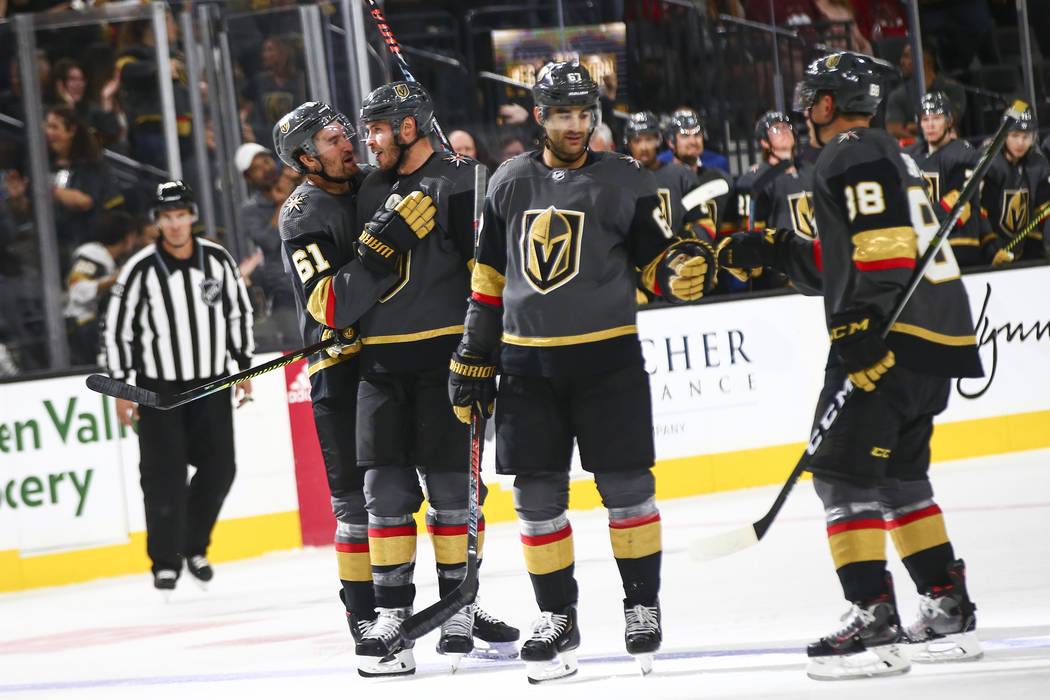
(733, 628)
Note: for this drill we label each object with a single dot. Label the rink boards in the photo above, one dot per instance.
(733, 386)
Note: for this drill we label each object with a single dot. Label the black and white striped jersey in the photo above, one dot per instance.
(178, 320)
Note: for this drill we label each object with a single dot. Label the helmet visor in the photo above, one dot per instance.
(570, 119)
(335, 134)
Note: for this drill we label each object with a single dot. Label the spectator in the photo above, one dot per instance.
(268, 188)
(901, 108)
(93, 273)
(98, 112)
(79, 182)
(602, 139)
(463, 143)
(510, 145)
(279, 87)
(11, 100)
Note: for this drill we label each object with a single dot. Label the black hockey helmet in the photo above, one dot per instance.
(640, 123)
(564, 84)
(855, 79)
(395, 101)
(1026, 122)
(174, 194)
(767, 120)
(293, 134)
(686, 121)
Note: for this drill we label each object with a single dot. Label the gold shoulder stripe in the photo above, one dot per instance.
(570, 339)
(885, 244)
(411, 337)
(933, 337)
(487, 280)
(317, 304)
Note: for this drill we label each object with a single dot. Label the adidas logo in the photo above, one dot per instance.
(299, 388)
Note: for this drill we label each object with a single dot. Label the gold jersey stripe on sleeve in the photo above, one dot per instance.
(933, 337)
(556, 341)
(411, 337)
(318, 302)
(964, 241)
(487, 280)
(890, 243)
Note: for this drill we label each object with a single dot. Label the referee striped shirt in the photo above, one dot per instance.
(178, 320)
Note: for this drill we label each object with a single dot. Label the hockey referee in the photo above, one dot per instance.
(178, 312)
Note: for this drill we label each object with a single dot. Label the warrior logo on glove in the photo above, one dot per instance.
(550, 247)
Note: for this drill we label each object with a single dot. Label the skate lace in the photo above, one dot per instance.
(166, 575)
(198, 562)
(386, 627)
(855, 619)
(548, 626)
(460, 625)
(483, 616)
(641, 618)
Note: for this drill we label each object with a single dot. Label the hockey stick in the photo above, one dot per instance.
(399, 58)
(144, 397)
(430, 618)
(743, 537)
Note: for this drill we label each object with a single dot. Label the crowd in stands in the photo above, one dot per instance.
(99, 90)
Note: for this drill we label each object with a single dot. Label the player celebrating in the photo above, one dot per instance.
(403, 421)
(685, 136)
(318, 142)
(874, 222)
(563, 230)
(946, 162)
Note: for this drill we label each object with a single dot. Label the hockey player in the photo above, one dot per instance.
(946, 163)
(405, 430)
(314, 224)
(685, 136)
(677, 184)
(1016, 192)
(563, 230)
(874, 222)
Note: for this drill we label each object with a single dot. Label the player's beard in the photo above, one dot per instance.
(565, 152)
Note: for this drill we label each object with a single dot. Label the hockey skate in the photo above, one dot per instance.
(643, 633)
(945, 627)
(457, 636)
(359, 625)
(870, 643)
(164, 581)
(550, 653)
(493, 638)
(200, 569)
(382, 651)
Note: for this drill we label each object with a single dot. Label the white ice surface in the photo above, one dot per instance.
(735, 627)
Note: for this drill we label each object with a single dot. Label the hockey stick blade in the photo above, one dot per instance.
(734, 541)
(434, 616)
(704, 193)
(117, 389)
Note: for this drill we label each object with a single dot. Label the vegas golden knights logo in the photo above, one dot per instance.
(933, 185)
(801, 204)
(401, 90)
(1015, 211)
(550, 247)
(665, 204)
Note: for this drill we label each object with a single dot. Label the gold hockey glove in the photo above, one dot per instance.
(1002, 257)
(471, 382)
(394, 231)
(687, 271)
(865, 356)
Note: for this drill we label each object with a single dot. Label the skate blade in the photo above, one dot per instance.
(645, 663)
(952, 647)
(493, 651)
(401, 663)
(166, 594)
(561, 666)
(886, 660)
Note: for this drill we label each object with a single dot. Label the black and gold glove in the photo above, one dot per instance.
(349, 342)
(471, 382)
(394, 231)
(745, 253)
(687, 271)
(856, 338)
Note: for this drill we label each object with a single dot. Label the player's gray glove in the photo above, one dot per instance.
(394, 231)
